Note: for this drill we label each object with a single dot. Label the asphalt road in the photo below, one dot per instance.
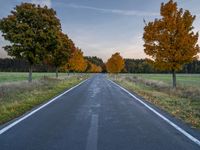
(97, 115)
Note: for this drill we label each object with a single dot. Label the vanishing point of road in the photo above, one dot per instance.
(96, 115)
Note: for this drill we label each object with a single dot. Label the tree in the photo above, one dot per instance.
(170, 41)
(31, 31)
(138, 66)
(95, 60)
(93, 68)
(115, 64)
(77, 62)
(61, 54)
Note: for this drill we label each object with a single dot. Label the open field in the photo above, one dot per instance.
(22, 76)
(192, 80)
(18, 97)
(184, 102)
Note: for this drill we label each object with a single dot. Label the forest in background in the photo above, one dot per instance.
(131, 66)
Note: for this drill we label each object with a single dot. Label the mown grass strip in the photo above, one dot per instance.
(18, 98)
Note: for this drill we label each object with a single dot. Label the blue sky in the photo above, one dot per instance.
(102, 27)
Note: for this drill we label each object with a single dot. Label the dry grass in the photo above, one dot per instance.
(190, 92)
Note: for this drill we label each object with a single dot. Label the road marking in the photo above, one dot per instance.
(189, 136)
(34, 111)
(93, 133)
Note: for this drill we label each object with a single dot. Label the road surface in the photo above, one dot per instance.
(97, 115)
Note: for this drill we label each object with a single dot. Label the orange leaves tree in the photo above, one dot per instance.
(170, 41)
(93, 68)
(115, 64)
(77, 63)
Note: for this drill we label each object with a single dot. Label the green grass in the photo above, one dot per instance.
(23, 76)
(183, 103)
(16, 98)
(182, 79)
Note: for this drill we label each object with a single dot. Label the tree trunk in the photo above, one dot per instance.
(174, 78)
(56, 72)
(30, 73)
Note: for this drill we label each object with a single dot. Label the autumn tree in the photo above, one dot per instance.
(170, 41)
(59, 56)
(77, 63)
(31, 30)
(93, 68)
(97, 61)
(97, 69)
(115, 64)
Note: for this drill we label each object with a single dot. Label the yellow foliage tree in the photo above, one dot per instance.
(93, 68)
(170, 41)
(77, 63)
(115, 64)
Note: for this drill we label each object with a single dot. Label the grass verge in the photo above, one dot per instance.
(18, 98)
(10, 77)
(182, 103)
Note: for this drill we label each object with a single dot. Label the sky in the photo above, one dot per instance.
(103, 27)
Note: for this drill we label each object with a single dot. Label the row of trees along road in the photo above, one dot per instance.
(32, 31)
(170, 41)
(36, 36)
(142, 66)
(131, 66)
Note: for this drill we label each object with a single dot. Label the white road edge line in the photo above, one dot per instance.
(34, 111)
(189, 136)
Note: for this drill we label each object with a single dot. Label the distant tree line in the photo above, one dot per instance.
(142, 66)
(20, 65)
(131, 66)
(97, 61)
(78, 63)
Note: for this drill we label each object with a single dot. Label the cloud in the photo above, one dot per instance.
(42, 2)
(115, 11)
(3, 43)
(3, 53)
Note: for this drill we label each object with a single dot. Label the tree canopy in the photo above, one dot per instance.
(31, 30)
(59, 56)
(170, 41)
(115, 64)
(77, 63)
(95, 60)
(93, 68)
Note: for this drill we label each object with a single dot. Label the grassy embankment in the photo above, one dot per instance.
(183, 103)
(19, 97)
